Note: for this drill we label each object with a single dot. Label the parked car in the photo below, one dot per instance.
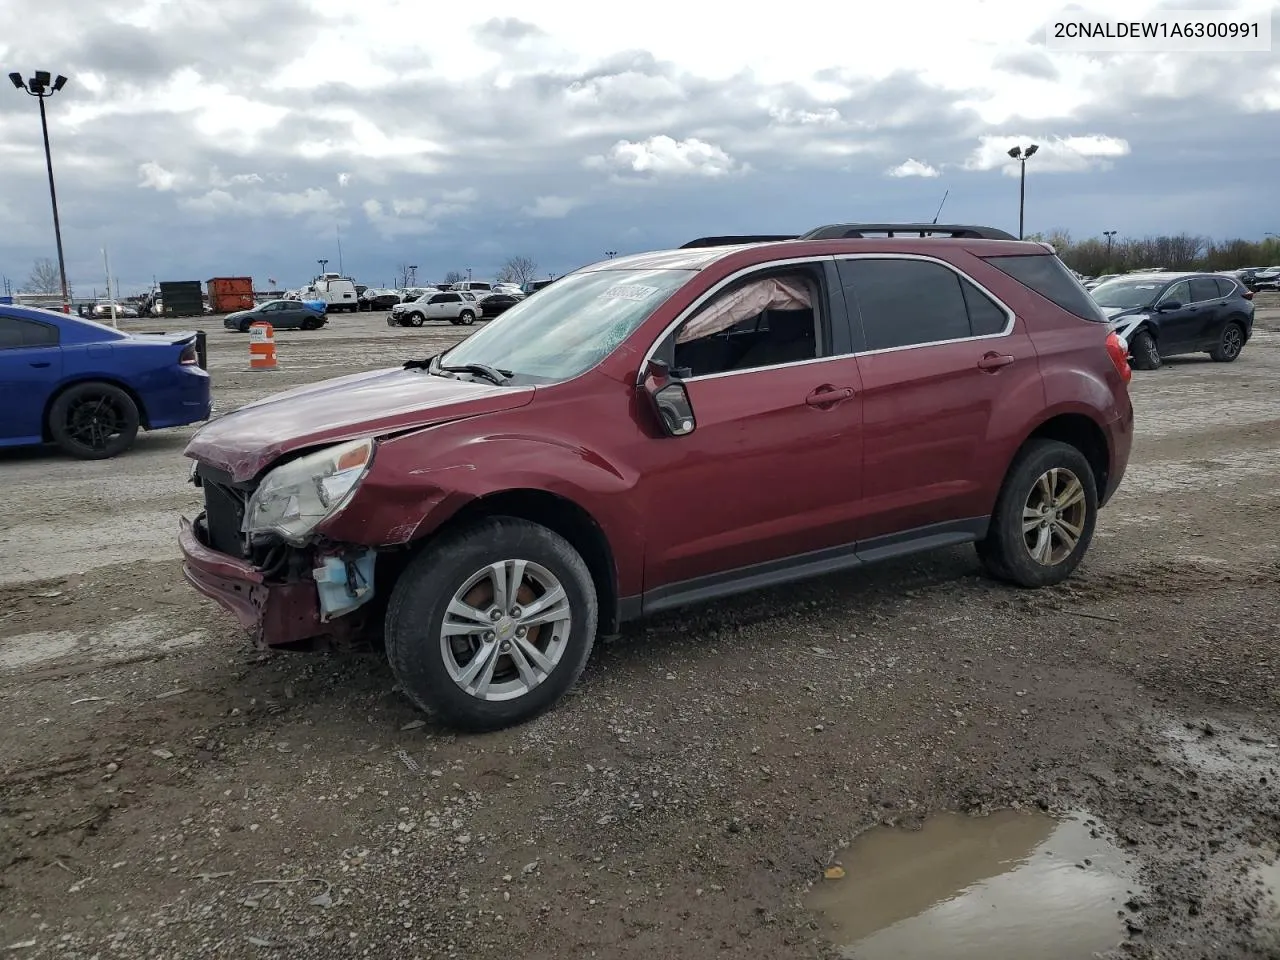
(477, 287)
(378, 299)
(1093, 282)
(663, 429)
(338, 293)
(88, 387)
(1166, 314)
(1268, 279)
(456, 307)
(497, 303)
(281, 314)
(533, 286)
(504, 286)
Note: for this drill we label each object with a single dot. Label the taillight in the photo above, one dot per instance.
(1118, 349)
(1247, 294)
(189, 357)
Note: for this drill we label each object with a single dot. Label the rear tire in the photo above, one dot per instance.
(517, 671)
(1145, 352)
(1044, 518)
(1230, 343)
(466, 318)
(94, 421)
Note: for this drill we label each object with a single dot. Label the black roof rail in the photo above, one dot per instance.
(846, 231)
(731, 241)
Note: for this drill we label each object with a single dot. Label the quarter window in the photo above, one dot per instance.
(16, 333)
(905, 303)
(1225, 287)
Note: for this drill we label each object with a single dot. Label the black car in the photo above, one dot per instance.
(281, 314)
(497, 303)
(376, 299)
(1165, 314)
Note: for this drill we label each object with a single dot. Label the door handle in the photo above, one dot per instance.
(40, 363)
(994, 361)
(827, 396)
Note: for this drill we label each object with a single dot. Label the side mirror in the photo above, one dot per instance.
(670, 400)
(1169, 305)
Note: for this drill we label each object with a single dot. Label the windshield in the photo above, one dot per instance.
(1127, 294)
(570, 326)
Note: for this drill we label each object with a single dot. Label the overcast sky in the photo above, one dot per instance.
(200, 139)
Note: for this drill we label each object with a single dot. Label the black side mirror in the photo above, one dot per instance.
(670, 400)
(1169, 305)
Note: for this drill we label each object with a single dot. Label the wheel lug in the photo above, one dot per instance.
(490, 636)
(495, 614)
(516, 611)
(521, 631)
(506, 645)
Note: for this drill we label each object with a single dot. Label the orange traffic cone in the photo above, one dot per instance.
(262, 346)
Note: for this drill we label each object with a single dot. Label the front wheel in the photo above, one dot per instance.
(416, 319)
(94, 421)
(492, 625)
(1145, 352)
(466, 318)
(1230, 343)
(1044, 517)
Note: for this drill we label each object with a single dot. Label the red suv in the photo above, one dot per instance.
(663, 429)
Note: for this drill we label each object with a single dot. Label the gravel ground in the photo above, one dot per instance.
(165, 791)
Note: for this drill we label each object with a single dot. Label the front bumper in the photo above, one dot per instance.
(275, 614)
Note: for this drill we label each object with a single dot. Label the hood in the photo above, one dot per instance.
(364, 404)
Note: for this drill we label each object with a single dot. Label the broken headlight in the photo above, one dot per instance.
(295, 498)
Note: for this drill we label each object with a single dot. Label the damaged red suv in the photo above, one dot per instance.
(663, 429)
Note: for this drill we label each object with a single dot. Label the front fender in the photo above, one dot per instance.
(422, 479)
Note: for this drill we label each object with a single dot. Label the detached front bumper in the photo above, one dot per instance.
(275, 614)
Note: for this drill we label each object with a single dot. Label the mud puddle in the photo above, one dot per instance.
(1012, 884)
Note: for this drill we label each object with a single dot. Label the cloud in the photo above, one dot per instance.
(461, 143)
(912, 168)
(1073, 154)
(551, 208)
(662, 156)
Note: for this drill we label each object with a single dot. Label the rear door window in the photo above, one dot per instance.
(904, 303)
(1203, 288)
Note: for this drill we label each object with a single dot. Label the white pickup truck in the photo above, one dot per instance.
(458, 307)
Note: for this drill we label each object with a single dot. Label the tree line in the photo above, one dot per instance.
(518, 270)
(1094, 256)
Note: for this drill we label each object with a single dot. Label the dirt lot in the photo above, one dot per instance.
(165, 791)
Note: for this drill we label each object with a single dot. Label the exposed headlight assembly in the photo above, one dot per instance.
(295, 498)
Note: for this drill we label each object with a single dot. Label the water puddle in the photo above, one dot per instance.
(1010, 885)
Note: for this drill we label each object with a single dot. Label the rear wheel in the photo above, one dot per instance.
(1230, 343)
(493, 624)
(1044, 517)
(1145, 352)
(94, 421)
(466, 318)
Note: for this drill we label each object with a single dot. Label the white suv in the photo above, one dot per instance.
(458, 307)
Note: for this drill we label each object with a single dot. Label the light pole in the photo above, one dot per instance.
(1110, 235)
(468, 274)
(413, 276)
(611, 254)
(1022, 156)
(42, 85)
(323, 264)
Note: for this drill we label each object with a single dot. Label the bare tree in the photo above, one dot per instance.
(44, 278)
(403, 275)
(453, 276)
(519, 270)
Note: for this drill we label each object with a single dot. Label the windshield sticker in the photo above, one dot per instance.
(630, 291)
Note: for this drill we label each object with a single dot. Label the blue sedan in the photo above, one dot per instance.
(89, 387)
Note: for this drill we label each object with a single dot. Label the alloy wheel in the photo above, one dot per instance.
(1054, 515)
(94, 420)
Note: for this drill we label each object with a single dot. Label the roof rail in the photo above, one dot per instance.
(731, 241)
(845, 231)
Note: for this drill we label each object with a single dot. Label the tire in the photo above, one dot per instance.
(1007, 552)
(309, 324)
(425, 663)
(244, 327)
(94, 421)
(466, 318)
(1230, 343)
(416, 319)
(1144, 352)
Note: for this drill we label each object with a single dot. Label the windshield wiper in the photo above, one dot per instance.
(498, 377)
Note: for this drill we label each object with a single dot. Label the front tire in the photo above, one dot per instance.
(491, 625)
(1044, 518)
(94, 421)
(1230, 343)
(1145, 352)
(416, 319)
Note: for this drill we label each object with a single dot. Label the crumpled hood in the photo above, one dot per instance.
(1111, 312)
(360, 405)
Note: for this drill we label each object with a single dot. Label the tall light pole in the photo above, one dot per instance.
(40, 86)
(611, 254)
(1110, 235)
(1022, 156)
(413, 276)
(323, 264)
